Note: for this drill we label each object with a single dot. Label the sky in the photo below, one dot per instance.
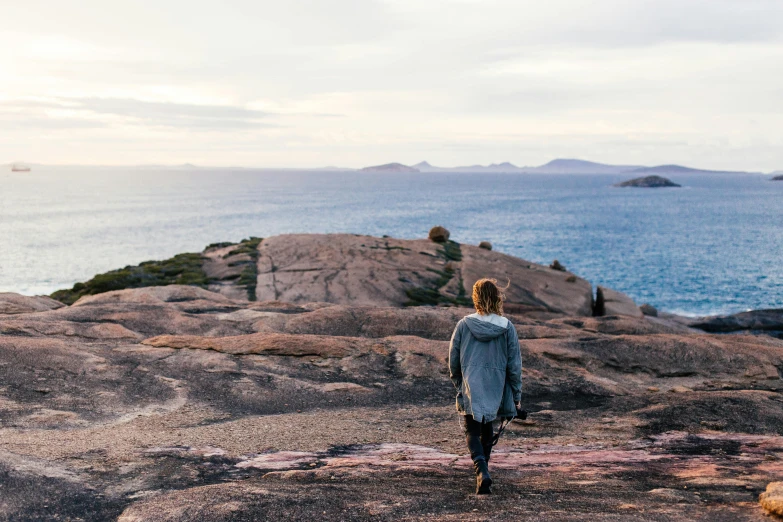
(310, 83)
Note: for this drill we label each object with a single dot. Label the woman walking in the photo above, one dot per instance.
(486, 368)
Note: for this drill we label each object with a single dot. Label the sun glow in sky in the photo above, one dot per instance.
(306, 83)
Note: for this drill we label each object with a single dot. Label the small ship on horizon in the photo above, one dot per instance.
(18, 167)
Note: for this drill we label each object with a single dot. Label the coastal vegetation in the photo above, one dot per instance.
(431, 295)
(249, 275)
(182, 269)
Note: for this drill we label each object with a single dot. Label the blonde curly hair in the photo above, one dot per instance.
(488, 297)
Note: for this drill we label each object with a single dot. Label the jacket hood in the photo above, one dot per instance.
(483, 330)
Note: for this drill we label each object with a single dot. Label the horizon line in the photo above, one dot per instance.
(342, 168)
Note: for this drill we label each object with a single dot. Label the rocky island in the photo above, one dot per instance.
(777, 178)
(304, 377)
(390, 167)
(648, 182)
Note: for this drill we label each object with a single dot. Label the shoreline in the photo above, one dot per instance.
(640, 252)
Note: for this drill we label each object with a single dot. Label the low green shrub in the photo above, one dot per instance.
(182, 269)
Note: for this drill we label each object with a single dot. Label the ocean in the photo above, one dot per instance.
(714, 246)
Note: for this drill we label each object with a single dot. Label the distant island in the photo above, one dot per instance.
(390, 167)
(778, 178)
(648, 182)
(557, 166)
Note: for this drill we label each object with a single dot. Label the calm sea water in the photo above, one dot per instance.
(714, 246)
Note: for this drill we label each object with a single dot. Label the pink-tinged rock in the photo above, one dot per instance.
(531, 286)
(343, 387)
(182, 296)
(279, 460)
(11, 303)
(367, 321)
(371, 271)
(301, 345)
(612, 302)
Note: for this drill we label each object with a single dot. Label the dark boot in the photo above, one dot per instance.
(483, 480)
(487, 451)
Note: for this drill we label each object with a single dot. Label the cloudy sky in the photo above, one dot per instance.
(354, 82)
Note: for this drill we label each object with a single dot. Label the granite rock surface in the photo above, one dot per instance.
(176, 403)
(364, 270)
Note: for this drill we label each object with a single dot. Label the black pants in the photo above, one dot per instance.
(479, 437)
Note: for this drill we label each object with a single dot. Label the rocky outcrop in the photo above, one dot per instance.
(182, 269)
(354, 269)
(756, 321)
(371, 271)
(11, 303)
(557, 266)
(345, 268)
(612, 302)
(232, 269)
(649, 310)
(531, 287)
(648, 182)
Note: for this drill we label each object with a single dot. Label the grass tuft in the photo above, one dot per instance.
(222, 244)
(429, 295)
(246, 246)
(249, 276)
(451, 251)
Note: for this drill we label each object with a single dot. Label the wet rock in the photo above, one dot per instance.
(762, 321)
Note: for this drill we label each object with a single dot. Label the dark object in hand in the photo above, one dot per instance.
(521, 414)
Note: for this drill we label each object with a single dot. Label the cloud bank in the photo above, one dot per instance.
(449, 81)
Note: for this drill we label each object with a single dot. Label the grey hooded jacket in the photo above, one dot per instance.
(486, 368)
